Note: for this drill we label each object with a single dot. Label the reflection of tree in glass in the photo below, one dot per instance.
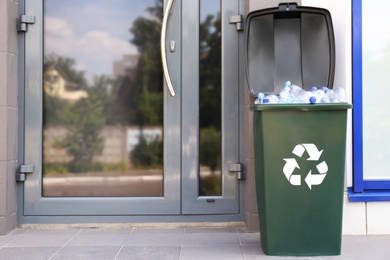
(210, 91)
(84, 122)
(147, 154)
(83, 114)
(210, 72)
(141, 92)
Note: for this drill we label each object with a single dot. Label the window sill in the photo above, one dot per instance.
(371, 195)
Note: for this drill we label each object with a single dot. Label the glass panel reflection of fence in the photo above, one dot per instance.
(128, 164)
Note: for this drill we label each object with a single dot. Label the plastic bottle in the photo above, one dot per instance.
(296, 92)
(307, 97)
(339, 95)
(285, 93)
(260, 99)
(325, 89)
(318, 95)
(329, 96)
(272, 99)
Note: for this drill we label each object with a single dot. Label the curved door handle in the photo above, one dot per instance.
(163, 50)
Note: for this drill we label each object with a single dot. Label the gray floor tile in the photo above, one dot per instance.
(210, 230)
(4, 240)
(27, 253)
(39, 241)
(242, 230)
(149, 253)
(211, 252)
(147, 231)
(17, 232)
(98, 240)
(255, 252)
(93, 231)
(52, 232)
(87, 252)
(249, 239)
(170, 243)
(224, 239)
(155, 240)
(363, 247)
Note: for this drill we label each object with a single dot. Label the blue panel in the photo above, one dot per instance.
(357, 96)
(372, 195)
(376, 185)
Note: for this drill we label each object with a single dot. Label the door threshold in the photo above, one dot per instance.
(162, 225)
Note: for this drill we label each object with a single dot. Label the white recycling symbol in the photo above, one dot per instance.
(314, 155)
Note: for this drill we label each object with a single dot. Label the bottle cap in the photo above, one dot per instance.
(265, 100)
(313, 100)
(313, 88)
(325, 89)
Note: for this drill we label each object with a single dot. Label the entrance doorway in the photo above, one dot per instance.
(103, 134)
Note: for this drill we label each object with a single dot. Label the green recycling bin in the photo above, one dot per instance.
(299, 149)
(299, 167)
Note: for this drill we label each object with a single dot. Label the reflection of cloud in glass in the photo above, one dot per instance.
(96, 50)
(93, 32)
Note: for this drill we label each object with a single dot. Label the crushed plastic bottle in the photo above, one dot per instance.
(291, 93)
(318, 95)
(273, 99)
(325, 89)
(297, 94)
(329, 96)
(260, 98)
(285, 93)
(339, 95)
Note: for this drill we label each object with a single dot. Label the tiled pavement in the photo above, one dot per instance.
(159, 244)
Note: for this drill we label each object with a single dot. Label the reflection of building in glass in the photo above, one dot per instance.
(125, 66)
(57, 84)
(128, 94)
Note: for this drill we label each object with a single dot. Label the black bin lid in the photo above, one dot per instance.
(289, 42)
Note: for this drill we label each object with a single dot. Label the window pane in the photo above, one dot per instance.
(210, 98)
(376, 105)
(103, 98)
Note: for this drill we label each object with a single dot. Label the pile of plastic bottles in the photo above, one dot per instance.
(294, 94)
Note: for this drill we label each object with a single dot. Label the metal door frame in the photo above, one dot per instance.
(228, 202)
(32, 208)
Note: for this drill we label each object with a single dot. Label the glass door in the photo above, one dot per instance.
(210, 110)
(95, 113)
(104, 135)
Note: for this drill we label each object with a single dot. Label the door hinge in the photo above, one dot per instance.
(24, 169)
(237, 168)
(24, 20)
(237, 19)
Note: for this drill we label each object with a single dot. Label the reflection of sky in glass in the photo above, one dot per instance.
(94, 32)
(209, 7)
